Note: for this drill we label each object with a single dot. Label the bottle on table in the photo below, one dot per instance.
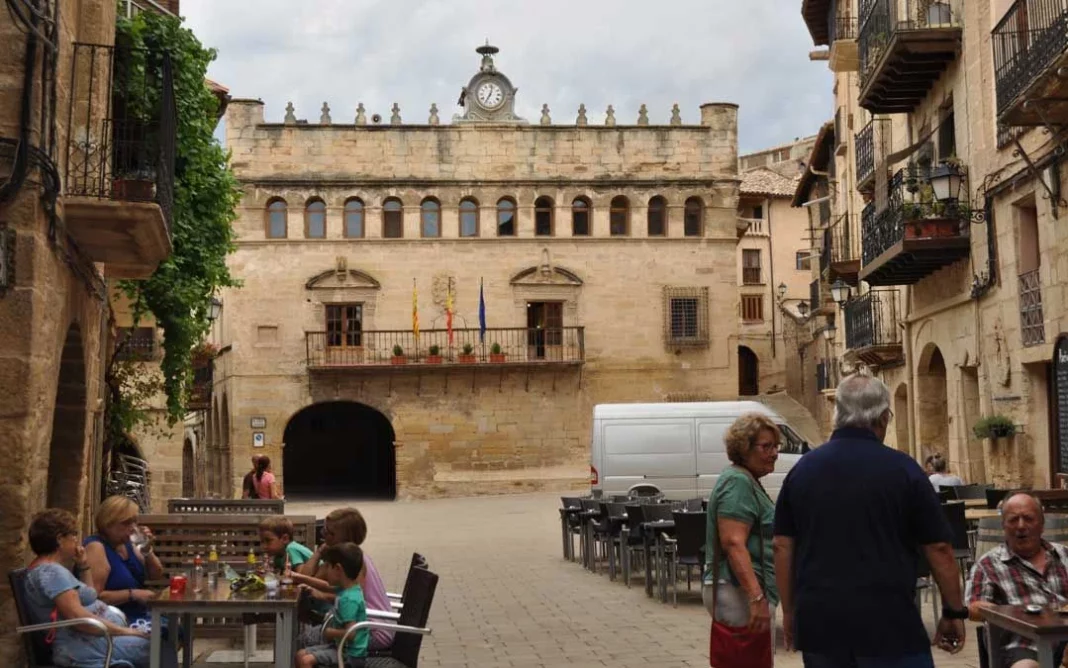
(251, 560)
(198, 573)
(213, 567)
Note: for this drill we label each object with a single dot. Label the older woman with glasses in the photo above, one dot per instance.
(740, 590)
(55, 594)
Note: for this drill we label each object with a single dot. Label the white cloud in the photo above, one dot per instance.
(560, 52)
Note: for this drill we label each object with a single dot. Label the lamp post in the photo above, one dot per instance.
(946, 181)
(214, 309)
(782, 291)
(802, 308)
(840, 292)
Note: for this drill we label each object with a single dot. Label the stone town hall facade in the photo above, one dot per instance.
(607, 255)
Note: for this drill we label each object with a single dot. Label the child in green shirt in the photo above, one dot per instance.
(342, 564)
(276, 538)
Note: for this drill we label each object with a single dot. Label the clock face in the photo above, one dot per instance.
(490, 95)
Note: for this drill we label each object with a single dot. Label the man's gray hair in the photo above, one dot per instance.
(860, 401)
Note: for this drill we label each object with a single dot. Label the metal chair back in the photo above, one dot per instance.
(656, 512)
(954, 511)
(994, 497)
(418, 596)
(690, 536)
(972, 491)
(38, 652)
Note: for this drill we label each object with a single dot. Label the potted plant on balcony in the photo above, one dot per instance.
(998, 429)
(203, 354)
(434, 355)
(135, 123)
(398, 355)
(468, 354)
(496, 356)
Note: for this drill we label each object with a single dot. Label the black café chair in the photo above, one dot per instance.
(396, 601)
(687, 548)
(631, 538)
(994, 497)
(965, 492)
(946, 494)
(38, 652)
(962, 548)
(613, 516)
(410, 628)
(591, 510)
(570, 524)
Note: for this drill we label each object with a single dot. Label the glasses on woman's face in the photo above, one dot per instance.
(768, 446)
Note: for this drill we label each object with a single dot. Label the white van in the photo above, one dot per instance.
(676, 449)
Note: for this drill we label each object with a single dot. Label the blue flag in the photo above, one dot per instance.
(481, 313)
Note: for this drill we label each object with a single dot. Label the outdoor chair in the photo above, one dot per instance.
(591, 510)
(570, 524)
(38, 652)
(631, 538)
(613, 516)
(687, 548)
(962, 546)
(418, 561)
(925, 583)
(971, 491)
(410, 627)
(994, 497)
(946, 494)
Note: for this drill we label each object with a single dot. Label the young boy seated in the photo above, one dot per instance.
(276, 537)
(342, 564)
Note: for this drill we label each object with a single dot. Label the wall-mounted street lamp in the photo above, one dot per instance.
(840, 292)
(214, 309)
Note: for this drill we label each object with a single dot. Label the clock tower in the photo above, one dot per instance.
(489, 97)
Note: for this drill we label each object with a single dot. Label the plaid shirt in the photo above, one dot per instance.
(1004, 578)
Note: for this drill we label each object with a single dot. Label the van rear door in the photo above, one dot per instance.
(648, 451)
(711, 453)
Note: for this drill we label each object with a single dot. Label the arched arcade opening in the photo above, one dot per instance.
(339, 448)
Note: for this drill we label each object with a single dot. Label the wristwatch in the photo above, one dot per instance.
(758, 599)
(954, 613)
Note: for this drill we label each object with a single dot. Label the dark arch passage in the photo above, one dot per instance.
(339, 448)
(748, 372)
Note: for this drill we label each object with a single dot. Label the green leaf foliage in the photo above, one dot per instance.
(206, 195)
(994, 426)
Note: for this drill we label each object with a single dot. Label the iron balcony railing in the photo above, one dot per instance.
(909, 198)
(517, 345)
(1027, 41)
(1032, 323)
(843, 238)
(122, 120)
(823, 376)
(136, 344)
(815, 296)
(843, 27)
(826, 250)
(200, 391)
(872, 320)
(873, 144)
(880, 20)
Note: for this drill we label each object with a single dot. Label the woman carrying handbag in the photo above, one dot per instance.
(739, 587)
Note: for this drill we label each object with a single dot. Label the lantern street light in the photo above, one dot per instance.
(782, 291)
(840, 292)
(802, 308)
(828, 332)
(946, 181)
(214, 309)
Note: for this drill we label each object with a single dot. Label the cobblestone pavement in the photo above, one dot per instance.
(507, 599)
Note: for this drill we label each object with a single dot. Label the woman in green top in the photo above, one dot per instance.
(740, 519)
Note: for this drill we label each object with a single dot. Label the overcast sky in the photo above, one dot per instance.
(560, 52)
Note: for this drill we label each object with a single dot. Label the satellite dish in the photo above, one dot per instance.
(377, 118)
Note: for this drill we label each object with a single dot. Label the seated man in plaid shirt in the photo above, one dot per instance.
(1025, 569)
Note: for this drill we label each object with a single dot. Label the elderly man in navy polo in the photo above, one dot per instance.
(853, 518)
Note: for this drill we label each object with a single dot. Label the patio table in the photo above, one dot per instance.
(1047, 629)
(220, 601)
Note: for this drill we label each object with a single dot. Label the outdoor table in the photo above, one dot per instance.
(1047, 629)
(222, 602)
(976, 514)
(975, 503)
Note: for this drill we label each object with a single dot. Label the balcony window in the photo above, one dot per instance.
(468, 218)
(354, 219)
(694, 217)
(751, 268)
(580, 217)
(344, 325)
(543, 217)
(315, 219)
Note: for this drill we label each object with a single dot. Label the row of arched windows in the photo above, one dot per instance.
(354, 218)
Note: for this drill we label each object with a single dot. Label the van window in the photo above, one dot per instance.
(791, 442)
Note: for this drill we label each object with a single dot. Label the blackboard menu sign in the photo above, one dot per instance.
(1060, 381)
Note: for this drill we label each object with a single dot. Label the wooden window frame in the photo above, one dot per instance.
(515, 217)
(661, 201)
(756, 303)
(344, 318)
(686, 209)
(423, 218)
(613, 209)
(589, 216)
(803, 257)
(748, 270)
(345, 218)
(307, 217)
(478, 218)
(550, 209)
(267, 218)
(385, 216)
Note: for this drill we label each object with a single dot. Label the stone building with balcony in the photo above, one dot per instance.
(578, 261)
(953, 189)
(84, 196)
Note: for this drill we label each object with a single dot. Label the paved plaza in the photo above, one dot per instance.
(507, 599)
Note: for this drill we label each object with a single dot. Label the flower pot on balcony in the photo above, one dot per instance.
(496, 356)
(131, 189)
(467, 359)
(398, 359)
(931, 228)
(433, 359)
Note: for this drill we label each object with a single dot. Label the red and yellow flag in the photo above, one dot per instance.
(448, 312)
(415, 309)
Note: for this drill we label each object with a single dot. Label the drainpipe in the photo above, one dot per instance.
(913, 379)
(771, 263)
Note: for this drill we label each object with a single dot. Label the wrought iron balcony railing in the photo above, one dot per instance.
(122, 123)
(1029, 39)
(872, 320)
(136, 344)
(826, 250)
(1032, 322)
(881, 20)
(909, 202)
(815, 296)
(843, 27)
(844, 247)
(824, 380)
(200, 391)
(517, 345)
(873, 144)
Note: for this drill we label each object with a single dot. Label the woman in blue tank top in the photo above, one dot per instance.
(119, 569)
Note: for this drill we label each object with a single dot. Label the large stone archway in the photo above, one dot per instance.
(339, 448)
(932, 404)
(66, 455)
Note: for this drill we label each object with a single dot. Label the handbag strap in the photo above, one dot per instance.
(717, 548)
